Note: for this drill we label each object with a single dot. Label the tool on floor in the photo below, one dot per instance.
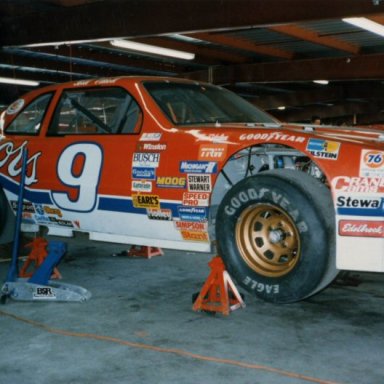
(141, 251)
(38, 286)
(219, 293)
(36, 257)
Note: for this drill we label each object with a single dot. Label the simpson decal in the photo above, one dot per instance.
(192, 226)
(146, 160)
(361, 228)
(212, 152)
(372, 163)
(198, 167)
(146, 201)
(323, 148)
(199, 183)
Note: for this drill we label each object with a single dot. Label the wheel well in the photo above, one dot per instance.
(255, 159)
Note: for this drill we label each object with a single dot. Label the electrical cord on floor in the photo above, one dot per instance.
(178, 352)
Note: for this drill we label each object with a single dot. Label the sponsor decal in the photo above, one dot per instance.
(52, 211)
(324, 148)
(42, 219)
(361, 228)
(150, 136)
(146, 160)
(144, 173)
(106, 81)
(146, 201)
(358, 184)
(61, 222)
(39, 209)
(27, 206)
(372, 163)
(272, 137)
(12, 156)
(192, 226)
(44, 293)
(195, 199)
(81, 83)
(15, 107)
(360, 206)
(28, 218)
(141, 186)
(159, 214)
(192, 213)
(212, 152)
(171, 182)
(199, 183)
(198, 167)
(151, 147)
(194, 236)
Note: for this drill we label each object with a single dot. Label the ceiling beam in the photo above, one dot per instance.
(344, 68)
(118, 18)
(242, 44)
(313, 37)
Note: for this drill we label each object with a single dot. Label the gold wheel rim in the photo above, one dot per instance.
(268, 240)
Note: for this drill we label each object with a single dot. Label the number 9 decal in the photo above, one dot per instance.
(79, 167)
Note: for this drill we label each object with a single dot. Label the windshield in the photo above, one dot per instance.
(193, 103)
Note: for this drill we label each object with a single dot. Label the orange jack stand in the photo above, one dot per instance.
(36, 257)
(219, 293)
(144, 251)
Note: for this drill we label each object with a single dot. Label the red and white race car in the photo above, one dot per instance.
(179, 164)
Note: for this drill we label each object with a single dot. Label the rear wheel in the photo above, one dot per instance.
(276, 235)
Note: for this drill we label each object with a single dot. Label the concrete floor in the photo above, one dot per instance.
(139, 327)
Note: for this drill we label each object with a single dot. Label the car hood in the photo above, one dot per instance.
(359, 135)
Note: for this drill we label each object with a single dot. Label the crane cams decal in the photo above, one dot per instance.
(372, 163)
(358, 184)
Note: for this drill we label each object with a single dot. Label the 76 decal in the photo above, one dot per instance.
(372, 163)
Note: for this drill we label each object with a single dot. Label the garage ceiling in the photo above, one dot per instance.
(268, 51)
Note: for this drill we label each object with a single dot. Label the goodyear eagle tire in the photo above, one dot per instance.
(276, 235)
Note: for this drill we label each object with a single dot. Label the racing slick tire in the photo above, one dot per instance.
(276, 234)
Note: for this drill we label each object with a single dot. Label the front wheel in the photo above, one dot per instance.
(276, 235)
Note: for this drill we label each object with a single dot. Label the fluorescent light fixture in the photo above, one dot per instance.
(322, 82)
(10, 80)
(366, 24)
(58, 43)
(281, 108)
(127, 44)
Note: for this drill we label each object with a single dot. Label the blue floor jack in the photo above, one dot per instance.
(38, 287)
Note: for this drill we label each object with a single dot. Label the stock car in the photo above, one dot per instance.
(179, 164)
